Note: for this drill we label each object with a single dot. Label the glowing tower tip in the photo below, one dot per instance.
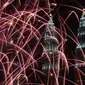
(83, 14)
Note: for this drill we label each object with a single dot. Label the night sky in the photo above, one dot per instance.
(62, 10)
(73, 23)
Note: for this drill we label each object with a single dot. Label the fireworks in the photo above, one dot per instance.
(22, 29)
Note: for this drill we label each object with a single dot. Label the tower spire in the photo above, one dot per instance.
(50, 23)
(83, 14)
(50, 39)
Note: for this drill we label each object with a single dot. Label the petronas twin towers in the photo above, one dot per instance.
(52, 63)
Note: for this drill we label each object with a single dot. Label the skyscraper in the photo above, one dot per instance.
(80, 52)
(50, 62)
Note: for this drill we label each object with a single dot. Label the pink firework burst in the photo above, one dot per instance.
(32, 47)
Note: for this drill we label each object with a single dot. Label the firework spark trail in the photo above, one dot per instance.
(23, 31)
(14, 37)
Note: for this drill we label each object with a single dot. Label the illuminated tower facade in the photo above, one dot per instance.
(50, 62)
(80, 51)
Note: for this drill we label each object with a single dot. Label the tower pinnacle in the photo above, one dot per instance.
(83, 14)
(50, 40)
